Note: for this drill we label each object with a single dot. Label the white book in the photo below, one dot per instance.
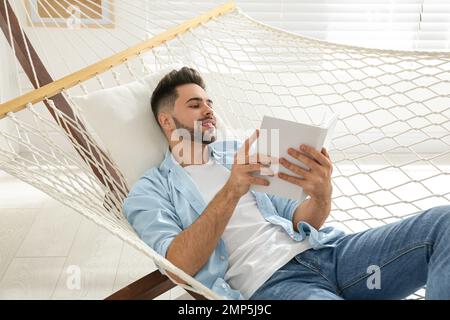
(277, 136)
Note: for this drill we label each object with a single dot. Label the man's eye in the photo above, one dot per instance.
(195, 106)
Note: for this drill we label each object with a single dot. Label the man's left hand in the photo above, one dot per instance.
(316, 181)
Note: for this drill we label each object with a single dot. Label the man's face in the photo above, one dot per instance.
(193, 111)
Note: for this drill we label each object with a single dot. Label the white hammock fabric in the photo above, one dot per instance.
(391, 148)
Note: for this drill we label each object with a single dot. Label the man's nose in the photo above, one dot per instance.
(208, 110)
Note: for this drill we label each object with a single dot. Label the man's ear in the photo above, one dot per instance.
(165, 120)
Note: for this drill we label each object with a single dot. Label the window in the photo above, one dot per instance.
(387, 24)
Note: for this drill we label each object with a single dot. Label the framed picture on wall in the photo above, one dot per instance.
(70, 14)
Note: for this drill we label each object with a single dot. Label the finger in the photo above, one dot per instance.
(295, 169)
(259, 181)
(258, 168)
(318, 156)
(241, 156)
(294, 180)
(313, 165)
(325, 152)
(263, 159)
(249, 142)
(252, 167)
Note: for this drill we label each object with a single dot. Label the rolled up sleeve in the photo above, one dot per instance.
(285, 207)
(152, 215)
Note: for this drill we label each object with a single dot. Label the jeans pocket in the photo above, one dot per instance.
(309, 259)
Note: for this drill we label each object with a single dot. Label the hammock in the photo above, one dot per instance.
(64, 137)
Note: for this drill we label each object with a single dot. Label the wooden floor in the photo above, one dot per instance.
(48, 251)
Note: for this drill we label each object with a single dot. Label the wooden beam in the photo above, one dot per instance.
(56, 87)
(30, 60)
(148, 287)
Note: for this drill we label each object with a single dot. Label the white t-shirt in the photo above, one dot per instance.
(256, 247)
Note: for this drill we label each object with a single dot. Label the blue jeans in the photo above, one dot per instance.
(389, 262)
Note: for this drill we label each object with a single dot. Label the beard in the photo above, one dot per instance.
(196, 134)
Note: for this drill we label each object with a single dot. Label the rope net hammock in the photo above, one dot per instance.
(390, 149)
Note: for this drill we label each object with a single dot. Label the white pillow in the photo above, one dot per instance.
(121, 121)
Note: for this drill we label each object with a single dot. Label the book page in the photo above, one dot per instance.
(276, 137)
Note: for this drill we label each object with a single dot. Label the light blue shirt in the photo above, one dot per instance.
(165, 201)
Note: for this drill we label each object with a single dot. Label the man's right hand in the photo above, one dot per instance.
(244, 165)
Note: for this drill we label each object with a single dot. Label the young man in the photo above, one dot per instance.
(197, 210)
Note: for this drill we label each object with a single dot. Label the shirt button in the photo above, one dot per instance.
(222, 258)
(224, 286)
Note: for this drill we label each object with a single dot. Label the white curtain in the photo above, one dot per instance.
(8, 81)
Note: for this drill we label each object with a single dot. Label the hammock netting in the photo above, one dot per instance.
(391, 147)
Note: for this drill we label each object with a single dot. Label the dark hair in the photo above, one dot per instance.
(165, 93)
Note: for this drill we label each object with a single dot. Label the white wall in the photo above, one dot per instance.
(8, 82)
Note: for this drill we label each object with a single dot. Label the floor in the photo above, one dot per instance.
(48, 251)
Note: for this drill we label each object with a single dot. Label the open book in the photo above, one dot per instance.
(277, 136)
